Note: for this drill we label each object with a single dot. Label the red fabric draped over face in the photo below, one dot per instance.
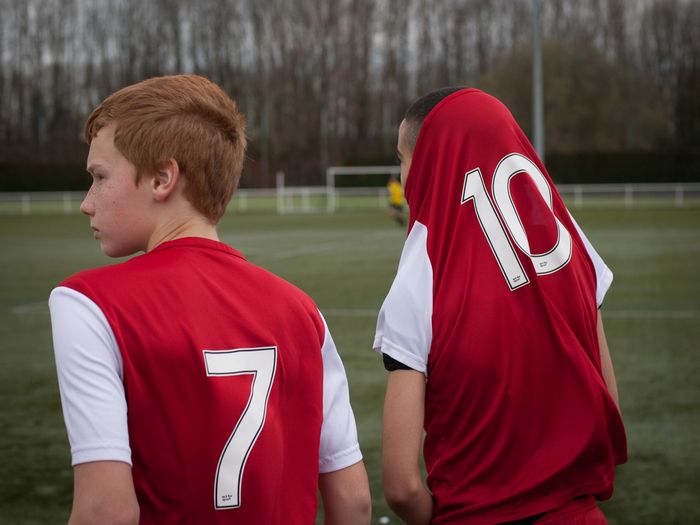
(517, 417)
(468, 129)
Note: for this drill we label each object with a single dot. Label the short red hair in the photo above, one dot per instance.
(183, 117)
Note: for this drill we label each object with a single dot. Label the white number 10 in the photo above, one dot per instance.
(261, 362)
(475, 189)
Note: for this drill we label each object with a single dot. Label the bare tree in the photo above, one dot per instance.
(327, 81)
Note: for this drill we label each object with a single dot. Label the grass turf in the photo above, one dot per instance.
(346, 263)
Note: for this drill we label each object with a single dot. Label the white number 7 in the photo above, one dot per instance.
(261, 362)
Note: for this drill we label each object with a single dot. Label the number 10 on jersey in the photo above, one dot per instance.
(475, 190)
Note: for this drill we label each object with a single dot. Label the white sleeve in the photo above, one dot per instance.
(604, 275)
(404, 326)
(90, 373)
(339, 445)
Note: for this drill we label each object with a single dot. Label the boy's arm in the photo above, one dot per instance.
(346, 497)
(103, 492)
(89, 370)
(606, 362)
(401, 443)
(342, 478)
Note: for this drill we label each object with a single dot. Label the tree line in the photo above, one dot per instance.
(326, 82)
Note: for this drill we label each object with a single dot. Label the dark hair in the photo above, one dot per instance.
(420, 108)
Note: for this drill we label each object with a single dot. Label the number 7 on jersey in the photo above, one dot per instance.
(261, 362)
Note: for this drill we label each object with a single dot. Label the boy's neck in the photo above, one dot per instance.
(194, 226)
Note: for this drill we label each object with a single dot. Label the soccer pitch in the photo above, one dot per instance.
(346, 263)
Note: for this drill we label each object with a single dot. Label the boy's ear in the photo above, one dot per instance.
(165, 179)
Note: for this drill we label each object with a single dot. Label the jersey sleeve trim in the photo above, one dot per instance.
(340, 460)
(106, 452)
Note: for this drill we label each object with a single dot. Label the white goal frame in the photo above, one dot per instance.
(334, 171)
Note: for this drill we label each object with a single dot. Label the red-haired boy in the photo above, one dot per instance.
(196, 387)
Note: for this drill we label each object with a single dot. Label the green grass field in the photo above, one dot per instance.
(346, 263)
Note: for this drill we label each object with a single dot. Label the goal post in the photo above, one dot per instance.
(333, 172)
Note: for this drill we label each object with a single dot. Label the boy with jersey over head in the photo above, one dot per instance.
(196, 387)
(491, 333)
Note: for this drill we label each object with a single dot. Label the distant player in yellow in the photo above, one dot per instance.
(396, 200)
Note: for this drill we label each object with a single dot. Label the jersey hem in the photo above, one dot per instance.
(574, 508)
(545, 505)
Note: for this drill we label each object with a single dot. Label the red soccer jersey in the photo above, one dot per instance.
(223, 377)
(495, 300)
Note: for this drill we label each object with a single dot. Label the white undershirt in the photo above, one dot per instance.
(90, 378)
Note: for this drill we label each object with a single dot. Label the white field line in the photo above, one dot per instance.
(650, 314)
(306, 250)
(317, 248)
(607, 314)
(350, 312)
(42, 307)
(30, 308)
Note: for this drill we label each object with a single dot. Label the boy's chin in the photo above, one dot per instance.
(116, 251)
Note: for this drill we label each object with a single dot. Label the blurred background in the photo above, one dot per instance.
(326, 82)
(324, 85)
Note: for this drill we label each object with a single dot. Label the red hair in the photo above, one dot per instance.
(183, 117)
